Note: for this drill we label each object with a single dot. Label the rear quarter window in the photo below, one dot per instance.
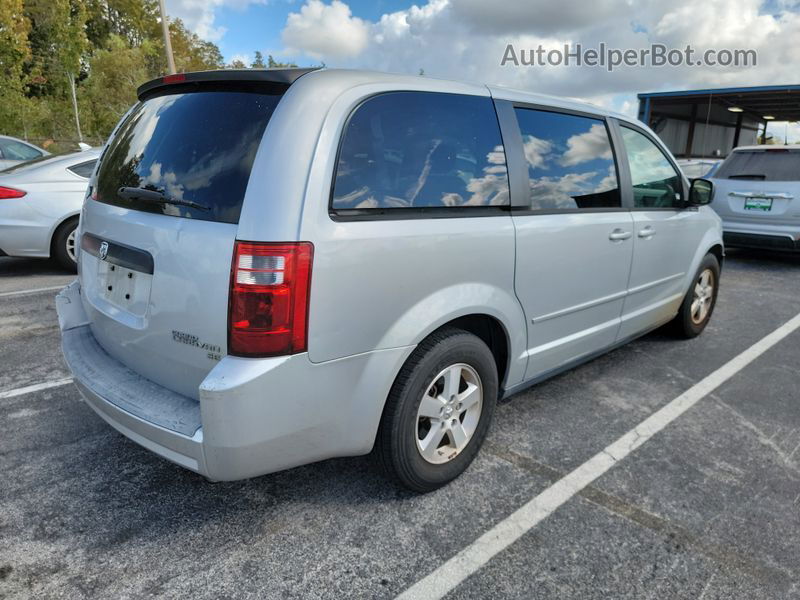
(420, 151)
(84, 169)
(196, 147)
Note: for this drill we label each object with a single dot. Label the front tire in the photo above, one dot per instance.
(63, 248)
(438, 410)
(700, 300)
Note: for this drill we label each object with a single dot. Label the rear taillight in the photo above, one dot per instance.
(7, 192)
(268, 306)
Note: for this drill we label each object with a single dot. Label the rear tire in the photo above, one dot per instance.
(63, 248)
(700, 300)
(438, 410)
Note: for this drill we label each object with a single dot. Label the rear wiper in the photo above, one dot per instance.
(747, 176)
(156, 197)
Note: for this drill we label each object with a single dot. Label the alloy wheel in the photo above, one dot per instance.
(702, 296)
(71, 245)
(449, 413)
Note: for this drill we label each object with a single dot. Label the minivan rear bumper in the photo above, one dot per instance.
(254, 416)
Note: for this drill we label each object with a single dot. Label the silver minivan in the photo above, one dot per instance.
(282, 266)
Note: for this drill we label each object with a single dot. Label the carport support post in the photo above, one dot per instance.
(738, 130)
(690, 136)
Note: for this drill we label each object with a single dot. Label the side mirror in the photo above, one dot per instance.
(701, 192)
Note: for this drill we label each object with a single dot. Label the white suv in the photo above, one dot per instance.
(282, 266)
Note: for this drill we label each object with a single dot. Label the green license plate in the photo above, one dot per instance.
(762, 204)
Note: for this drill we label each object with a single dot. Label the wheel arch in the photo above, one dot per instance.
(58, 225)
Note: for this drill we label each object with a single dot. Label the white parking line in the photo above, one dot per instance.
(506, 532)
(34, 388)
(33, 291)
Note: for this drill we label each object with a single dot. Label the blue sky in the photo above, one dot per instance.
(259, 26)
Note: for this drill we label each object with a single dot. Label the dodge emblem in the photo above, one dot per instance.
(103, 250)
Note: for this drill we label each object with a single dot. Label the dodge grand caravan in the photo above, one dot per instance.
(281, 266)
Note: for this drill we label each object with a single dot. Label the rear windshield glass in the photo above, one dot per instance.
(762, 165)
(195, 149)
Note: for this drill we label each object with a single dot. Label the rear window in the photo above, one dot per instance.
(14, 150)
(195, 147)
(83, 169)
(779, 164)
(420, 150)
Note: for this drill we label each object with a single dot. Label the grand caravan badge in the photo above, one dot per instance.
(214, 352)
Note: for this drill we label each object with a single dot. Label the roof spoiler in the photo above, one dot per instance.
(279, 76)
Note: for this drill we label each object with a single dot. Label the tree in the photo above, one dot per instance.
(116, 72)
(273, 64)
(192, 53)
(133, 20)
(101, 50)
(14, 52)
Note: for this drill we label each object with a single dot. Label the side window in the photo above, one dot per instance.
(14, 150)
(421, 150)
(656, 183)
(83, 169)
(570, 161)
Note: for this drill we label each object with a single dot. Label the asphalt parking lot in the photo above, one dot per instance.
(709, 507)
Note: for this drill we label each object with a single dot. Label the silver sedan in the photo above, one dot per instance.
(40, 202)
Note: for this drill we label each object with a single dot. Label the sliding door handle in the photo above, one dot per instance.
(647, 232)
(618, 235)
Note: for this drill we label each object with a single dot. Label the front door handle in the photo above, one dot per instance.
(619, 235)
(647, 232)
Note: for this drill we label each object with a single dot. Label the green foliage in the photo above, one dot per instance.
(116, 72)
(107, 48)
(104, 48)
(273, 64)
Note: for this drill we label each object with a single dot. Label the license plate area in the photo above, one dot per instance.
(124, 288)
(758, 204)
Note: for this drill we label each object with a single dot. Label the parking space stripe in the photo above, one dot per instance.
(32, 291)
(34, 388)
(469, 560)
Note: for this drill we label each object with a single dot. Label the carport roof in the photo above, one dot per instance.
(779, 101)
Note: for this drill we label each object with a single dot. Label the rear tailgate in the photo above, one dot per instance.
(155, 265)
(759, 185)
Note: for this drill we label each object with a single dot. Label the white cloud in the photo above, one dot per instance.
(245, 58)
(590, 145)
(536, 151)
(535, 16)
(465, 39)
(322, 30)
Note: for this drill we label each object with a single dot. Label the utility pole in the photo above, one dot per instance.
(75, 106)
(167, 42)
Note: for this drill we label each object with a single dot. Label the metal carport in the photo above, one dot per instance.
(711, 122)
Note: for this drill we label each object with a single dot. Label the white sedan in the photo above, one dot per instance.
(40, 202)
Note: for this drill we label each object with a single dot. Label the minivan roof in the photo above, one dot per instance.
(346, 78)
